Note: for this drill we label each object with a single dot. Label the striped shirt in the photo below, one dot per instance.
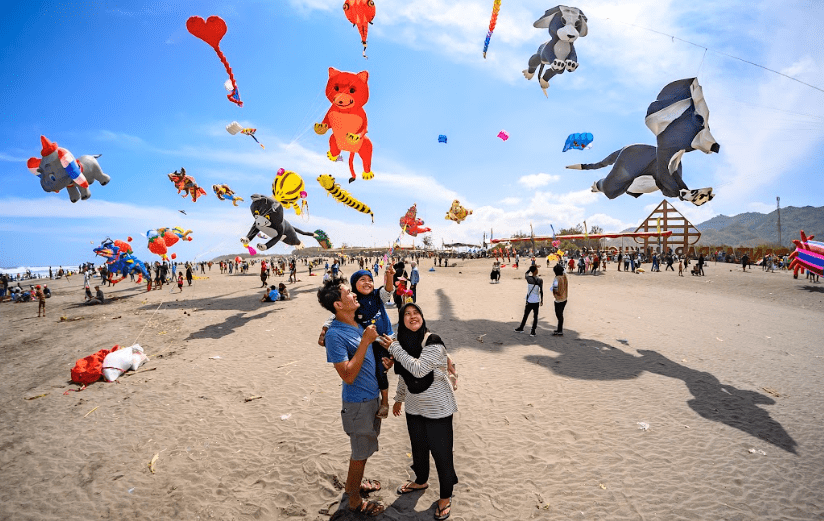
(438, 401)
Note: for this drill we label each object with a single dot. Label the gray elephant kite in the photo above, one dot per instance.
(59, 169)
(679, 118)
(565, 25)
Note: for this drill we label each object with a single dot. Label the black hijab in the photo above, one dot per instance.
(412, 343)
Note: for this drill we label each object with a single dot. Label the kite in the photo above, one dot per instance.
(120, 259)
(410, 222)
(504, 135)
(59, 169)
(360, 13)
(680, 120)
(288, 189)
(808, 254)
(161, 239)
(496, 6)
(252, 251)
(348, 93)
(224, 193)
(323, 239)
(186, 184)
(578, 141)
(342, 196)
(442, 139)
(268, 215)
(212, 31)
(235, 128)
(565, 25)
(183, 212)
(457, 212)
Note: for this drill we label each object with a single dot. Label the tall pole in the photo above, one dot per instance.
(778, 205)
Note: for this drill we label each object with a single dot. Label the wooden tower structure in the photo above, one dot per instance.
(684, 234)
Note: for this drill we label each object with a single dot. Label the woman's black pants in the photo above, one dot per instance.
(530, 306)
(434, 436)
(559, 314)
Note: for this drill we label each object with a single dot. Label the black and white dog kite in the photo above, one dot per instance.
(269, 220)
(679, 118)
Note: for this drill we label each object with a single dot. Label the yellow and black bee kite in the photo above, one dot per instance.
(328, 183)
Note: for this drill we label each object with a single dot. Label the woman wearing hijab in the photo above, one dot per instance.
(421, 361)
(372, 311)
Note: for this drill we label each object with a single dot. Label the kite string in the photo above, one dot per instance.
(702, 62)
(718, 52)
(147, 323)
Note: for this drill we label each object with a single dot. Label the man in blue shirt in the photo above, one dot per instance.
(414, 279)
(349, 349)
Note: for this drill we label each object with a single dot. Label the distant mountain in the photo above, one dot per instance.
(753, 229)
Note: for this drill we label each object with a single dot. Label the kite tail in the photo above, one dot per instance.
(308, 234)
(352, 166)
(234, 96)
(496, 6)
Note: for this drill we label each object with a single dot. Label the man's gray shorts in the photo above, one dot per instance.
(362, 426)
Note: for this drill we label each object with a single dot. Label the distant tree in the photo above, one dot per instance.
(427, 241)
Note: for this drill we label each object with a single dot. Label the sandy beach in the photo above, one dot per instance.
(724, 369)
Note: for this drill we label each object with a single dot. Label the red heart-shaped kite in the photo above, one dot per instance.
(210, 31)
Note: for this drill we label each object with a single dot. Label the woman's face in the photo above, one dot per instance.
(364, 285)
(412, 318)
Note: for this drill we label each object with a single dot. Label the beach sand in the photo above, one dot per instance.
(725, 369)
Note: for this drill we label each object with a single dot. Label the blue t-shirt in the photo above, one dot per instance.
(342, 342)
(274, 295)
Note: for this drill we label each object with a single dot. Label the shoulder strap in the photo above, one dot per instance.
(425, 338)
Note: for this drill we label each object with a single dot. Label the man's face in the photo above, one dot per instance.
(348, 300)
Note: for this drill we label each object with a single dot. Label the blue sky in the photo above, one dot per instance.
(126, 80)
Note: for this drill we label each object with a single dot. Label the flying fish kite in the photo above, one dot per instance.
(234, 128)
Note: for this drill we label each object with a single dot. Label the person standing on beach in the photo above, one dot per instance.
(534, 299)
(41, 301)
(422, 363)
(180, 283)
(700, 264)
(560, 289)
(414, 279)
(189, 274)
(349, 349)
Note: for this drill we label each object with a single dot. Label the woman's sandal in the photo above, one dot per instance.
(383, 412)
(370, 508)
(406, 489)
(370, 485)
(439, 512)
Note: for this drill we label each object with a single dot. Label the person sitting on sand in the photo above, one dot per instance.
(422, 363)
(272, 296)
(98, 299)
(349, 349)
(284, 293)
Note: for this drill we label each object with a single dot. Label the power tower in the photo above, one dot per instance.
(778, 205)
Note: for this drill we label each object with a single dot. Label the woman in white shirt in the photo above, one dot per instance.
(421, 361)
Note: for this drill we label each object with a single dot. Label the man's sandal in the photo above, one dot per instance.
(370, 508)
(407, 489)
(443, 513)
(370, 485)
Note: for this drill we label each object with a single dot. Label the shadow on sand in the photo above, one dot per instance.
(588, 359)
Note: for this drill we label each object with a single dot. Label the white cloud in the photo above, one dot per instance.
(12, 159)
(537, 180)
(510, 201)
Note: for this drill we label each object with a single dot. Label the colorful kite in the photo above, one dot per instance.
(186, 184)
(504, 135)
(808, 254)
(360, 13)
(442, 139)
(235, 128)
(120, 259)
(410, 223)
(323, 239)
(161, 239)
(496, 6)
(224, 193)
(348, 93)
(578, 141)
(59, 169)
(288, 189)
(328, 183)
(212, 31)
(457, 212)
